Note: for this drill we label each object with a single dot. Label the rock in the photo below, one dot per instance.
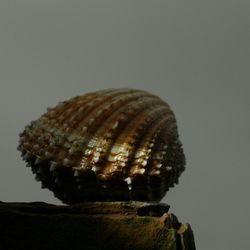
(92, 226)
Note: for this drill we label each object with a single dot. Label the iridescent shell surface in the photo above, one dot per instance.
(115, 144)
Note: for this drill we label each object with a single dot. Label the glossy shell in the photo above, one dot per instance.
(116, 144)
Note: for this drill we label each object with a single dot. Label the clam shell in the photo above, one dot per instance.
(115, 144)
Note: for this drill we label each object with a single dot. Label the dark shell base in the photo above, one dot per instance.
(72, 189)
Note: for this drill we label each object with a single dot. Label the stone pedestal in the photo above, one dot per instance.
(92, 226)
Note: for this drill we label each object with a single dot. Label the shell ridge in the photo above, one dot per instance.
(121, 128)
(164, 166)
(64, 150)
(131, 128)
(104, 102)
(137, 149)
(85, 102)
(88, 136)
(149, 142)
(156, 165)
(101, 129)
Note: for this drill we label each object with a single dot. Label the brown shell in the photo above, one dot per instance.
(115, 144)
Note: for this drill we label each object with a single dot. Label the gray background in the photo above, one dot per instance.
(194, 54)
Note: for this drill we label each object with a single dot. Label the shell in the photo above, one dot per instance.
(115, 144)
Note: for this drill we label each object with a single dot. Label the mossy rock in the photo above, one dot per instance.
(92, 226)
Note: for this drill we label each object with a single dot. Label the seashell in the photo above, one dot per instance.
(115, 144)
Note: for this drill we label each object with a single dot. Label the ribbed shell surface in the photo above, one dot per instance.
(115, 144)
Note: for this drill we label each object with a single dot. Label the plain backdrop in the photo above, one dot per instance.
(194, 54)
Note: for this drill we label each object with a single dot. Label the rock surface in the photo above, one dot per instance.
(92, 226)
